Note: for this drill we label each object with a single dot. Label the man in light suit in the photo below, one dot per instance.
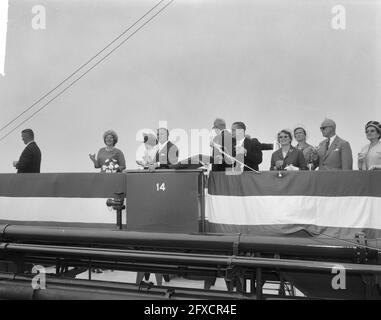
(333, 153)
(30, 159)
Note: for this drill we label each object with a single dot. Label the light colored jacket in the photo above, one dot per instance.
(337, 157)
(372, 156)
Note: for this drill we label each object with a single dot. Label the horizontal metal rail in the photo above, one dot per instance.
(14, 286)
(178, 259)
(212, 243)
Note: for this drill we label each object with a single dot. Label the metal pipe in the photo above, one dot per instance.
(199, 271)
(14, 286)
(309, 247)
(15, 291)
(182, 259)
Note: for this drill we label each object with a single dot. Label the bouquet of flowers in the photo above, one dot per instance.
(110, 166)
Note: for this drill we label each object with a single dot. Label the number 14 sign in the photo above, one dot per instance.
(160, 186)
(3, 32)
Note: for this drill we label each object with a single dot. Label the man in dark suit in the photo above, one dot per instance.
(245, 150)
(221, 142)
(30, 159)
(167, 152)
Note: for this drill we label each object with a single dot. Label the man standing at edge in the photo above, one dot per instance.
(30, 159)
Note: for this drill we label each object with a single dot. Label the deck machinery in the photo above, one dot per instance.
(311, 265)
(167, 230)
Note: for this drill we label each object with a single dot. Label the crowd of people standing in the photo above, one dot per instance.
(231, 150)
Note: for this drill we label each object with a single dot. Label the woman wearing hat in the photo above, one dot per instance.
(109, 158)
(370, 156)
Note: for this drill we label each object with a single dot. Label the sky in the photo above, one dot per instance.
(272, 64)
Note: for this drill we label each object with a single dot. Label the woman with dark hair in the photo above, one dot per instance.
(287, 157)
(300, 135)
(370, 156)
(109, 158)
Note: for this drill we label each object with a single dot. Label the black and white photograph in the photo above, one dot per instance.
(194, 155)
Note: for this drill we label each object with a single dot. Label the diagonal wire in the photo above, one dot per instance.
(81, 67)
(72, 83)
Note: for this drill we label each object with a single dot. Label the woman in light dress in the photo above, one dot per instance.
(369, 158)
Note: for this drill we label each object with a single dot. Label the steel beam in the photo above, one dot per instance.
(213, 243)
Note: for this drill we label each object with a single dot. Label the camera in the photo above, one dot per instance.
(117, 203)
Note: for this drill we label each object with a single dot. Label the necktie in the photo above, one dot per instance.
(327, 146)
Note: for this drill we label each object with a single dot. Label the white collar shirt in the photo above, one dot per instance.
(331, 139)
